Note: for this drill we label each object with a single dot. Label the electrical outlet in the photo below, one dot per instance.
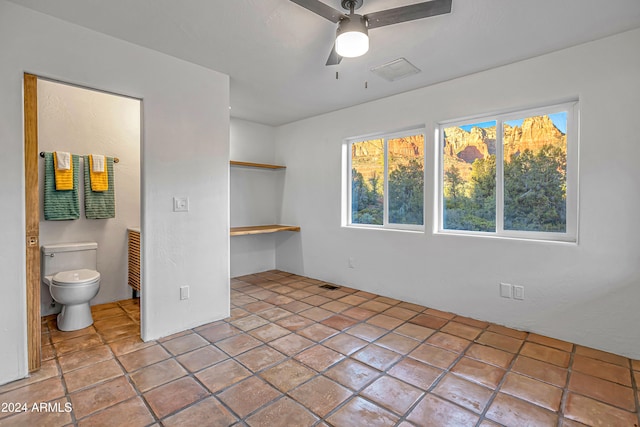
(181, 204)
(518, 292)
(184, 292)
(505, 290)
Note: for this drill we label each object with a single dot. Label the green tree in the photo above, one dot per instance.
(366, 202)
(406, 194)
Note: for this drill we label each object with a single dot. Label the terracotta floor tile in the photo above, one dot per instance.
(129, 344)
(283, 412)
(367, 295)
(320, 395)
(174, 396)
(92, 374)
(57, 335)
(509, 411)
(434, 356)
(260, 358)
(546, 354)
(249, 322)
(339, 322)
(353, 300)
(296, 306)
(541, 371)
(132, 413)
(533, 391)
(471, 322)
(237, 313)
(387, 300)
(287, 375)
(113, 322)
(367, 414)
(392, 394)
(174, 336)
(479, 372)
(413, 307)
(602, 355)
(48, 419)
(201, 358)
(367, 332)
(466, 394)
(461, 330)
(636, 365)
(376, 306)
(448, 342)
(358, 313)
(316, 300)
(184, 344)
(377, 357)
(345, 343)
(48, 369)
(604, 370)
(400, 313)
(80, 343)
(47, 352)
(72, 361)
(605, 391)
(433, 411)
(238, 344)
(279, 300)
(411, 330)
(550, 342)
(592, 412)
(488, 423)
(431, 322)
(416, 373)
(291, 344)
(490, 355)
(218, 332)
(222, 375)
(384, 321)
(352, 374)
(207, 413)
(502, 342)
(319, 357)
(269, 332)
(158, 374)
(316, 313)
(41, 391)
(248, 395)
(145, 357)
(513, 333)
(334, 294)
(439, 313)
(243, 300)
(294, 322)
(274, 314)
(317, 332)
(119, 333)
(102, 396)
(398, 343)
(258, 306)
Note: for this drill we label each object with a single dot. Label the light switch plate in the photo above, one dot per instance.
(181, 204)
(505, 290)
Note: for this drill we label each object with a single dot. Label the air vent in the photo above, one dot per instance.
(328, 286)
(395, 70)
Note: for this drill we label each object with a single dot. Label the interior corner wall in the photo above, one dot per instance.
(185, 153)
(255, 196)
(83, 121)
(586, 293)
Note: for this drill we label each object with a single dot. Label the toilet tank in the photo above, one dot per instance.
(68, 256)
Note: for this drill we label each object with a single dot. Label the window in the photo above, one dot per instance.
(512, 175)
(386, 181)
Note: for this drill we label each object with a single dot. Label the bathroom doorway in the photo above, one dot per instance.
(66, 117)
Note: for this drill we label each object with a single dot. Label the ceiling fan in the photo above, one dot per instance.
(352, 38)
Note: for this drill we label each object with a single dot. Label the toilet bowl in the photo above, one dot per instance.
(73, 290)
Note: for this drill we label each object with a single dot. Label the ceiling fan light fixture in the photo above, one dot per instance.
(352, 37)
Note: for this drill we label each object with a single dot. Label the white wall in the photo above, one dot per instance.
(85, 121)
(185, 152)
(255, 196)
(586, 293)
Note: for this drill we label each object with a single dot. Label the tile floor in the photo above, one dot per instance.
(295, 354)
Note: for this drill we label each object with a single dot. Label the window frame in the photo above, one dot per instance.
(572, 173)
(386, 225)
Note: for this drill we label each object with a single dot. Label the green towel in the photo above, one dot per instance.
(99, 204)
(62, 204)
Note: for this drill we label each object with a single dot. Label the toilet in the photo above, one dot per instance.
(69, 270)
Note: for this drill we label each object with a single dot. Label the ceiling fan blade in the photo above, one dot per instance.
(334, 58)
(319, 8)
(408, 13)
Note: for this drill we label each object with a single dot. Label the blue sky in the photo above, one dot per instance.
(558, 119)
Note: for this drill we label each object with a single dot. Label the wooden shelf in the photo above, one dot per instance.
(256, 165)
(262, 229)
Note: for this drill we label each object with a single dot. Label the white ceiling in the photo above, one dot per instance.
(275, 50)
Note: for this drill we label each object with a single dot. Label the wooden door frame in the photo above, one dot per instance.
(32, 221)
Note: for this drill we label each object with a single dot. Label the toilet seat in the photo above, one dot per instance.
(75, 277)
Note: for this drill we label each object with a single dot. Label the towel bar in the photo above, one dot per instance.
(115, 159)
